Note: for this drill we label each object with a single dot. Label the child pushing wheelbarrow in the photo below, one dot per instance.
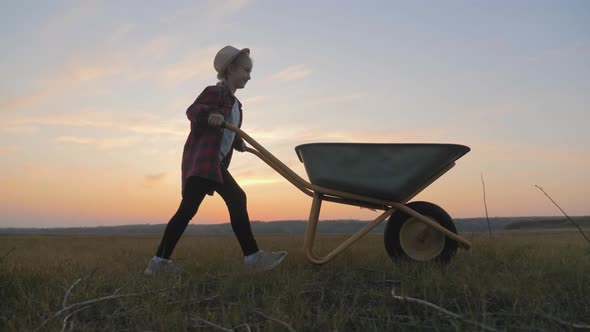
(377, 176)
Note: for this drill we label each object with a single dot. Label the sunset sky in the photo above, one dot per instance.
(93, 97)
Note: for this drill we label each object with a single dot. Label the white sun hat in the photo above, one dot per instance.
(224, 58)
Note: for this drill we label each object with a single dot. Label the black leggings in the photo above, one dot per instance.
(196, 188)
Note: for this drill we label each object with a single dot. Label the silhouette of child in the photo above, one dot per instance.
(205, 161)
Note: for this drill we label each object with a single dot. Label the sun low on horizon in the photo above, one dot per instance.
(94, 94)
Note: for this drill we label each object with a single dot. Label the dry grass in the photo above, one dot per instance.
(523, 281)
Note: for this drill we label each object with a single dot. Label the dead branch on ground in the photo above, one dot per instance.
(286, 325)
(208, 323)
(564, 323)
(7, 253)
(246, 326)
(65, 301)
(65, 321)
(87, 303)
(441, 310)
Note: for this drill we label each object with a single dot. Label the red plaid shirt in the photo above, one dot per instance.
(201, 155)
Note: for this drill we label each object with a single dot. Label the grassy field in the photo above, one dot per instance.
(520, 281)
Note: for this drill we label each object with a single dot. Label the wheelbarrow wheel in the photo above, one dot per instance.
(409, 238)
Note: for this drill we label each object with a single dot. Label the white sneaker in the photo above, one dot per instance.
(160, 265)
(264, 261)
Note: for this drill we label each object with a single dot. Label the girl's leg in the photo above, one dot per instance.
(194, 192)
(235, 199)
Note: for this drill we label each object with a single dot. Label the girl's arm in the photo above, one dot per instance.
(207, 102)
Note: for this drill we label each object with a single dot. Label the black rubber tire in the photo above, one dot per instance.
(391, 235)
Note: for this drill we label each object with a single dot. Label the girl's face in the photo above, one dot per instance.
(239, 73)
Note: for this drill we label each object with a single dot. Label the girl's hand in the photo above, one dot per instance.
(240, 145)
(215, 120)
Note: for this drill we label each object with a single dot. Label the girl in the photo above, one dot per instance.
(205, 160)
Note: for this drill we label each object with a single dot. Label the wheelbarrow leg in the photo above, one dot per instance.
(312, 224)
(312, 228)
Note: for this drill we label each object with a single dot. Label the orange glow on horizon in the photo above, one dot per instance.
(120, 195)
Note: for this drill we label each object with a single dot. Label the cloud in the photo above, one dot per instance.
(519, 152)
(199, 63)
(140, 59)
(571, 52)
(495, 110)
(134, 63)
(155, 178)
(255, 99)
(72, 139)
(58, 82)
(99, 67)
(139, 122)
(291, 73)
(8, 149)
(69, 16)
(337, 99)
(63, 80)
(24, 99)
(101, 143)
(300, 135)
(244, 182)
(152, 180)
(206, 13)
(19, 129)
(232, 7)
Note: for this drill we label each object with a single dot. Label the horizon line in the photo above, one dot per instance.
(274, 221)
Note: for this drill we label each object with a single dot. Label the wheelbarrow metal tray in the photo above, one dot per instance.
(386, 171)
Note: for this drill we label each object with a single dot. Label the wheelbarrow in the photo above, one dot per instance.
(379, 177)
